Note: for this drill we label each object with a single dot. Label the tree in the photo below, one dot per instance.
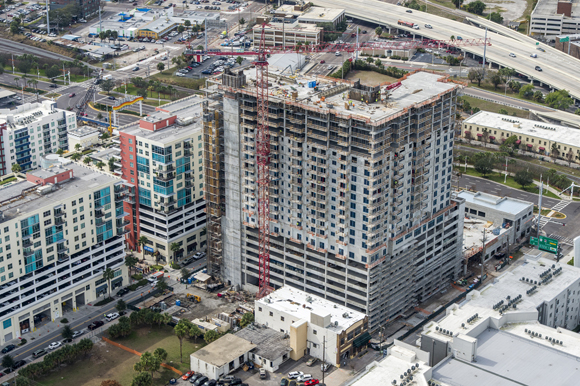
(538, 97)
(112, 165)
(527, 91)
(22, 381)
(555, 150)
(60, 151)
(85, 345)
(67, 332)
(100, 165)
(378, 62)
(24, 66)
(242, 22)
(161, 284)
(476, 7)
(495, 78)
(570, 156)
(466, 106)
(148, 362)
(175, 247)
(160, 353)
(15, 26)
(514, 85)
(195, 332)
(121, 305)
(379, 31)
(76, 156)
(484, 162)
(247, 318)
(476, 75)
(110, 382)
(107, 85)
(160, 66)
(185, 274)
(239, 60)
(187, 23)
(16, 168)
(210, 336)
(142, 379)
(182, 331)
(496, 17)
(8, 361)
(200, 47)
(105, 135)
(77, 146)
(131, 261)
(559, 99)
(180, 29)
(509, 146)
(99, 116)
(109, 275)
(503, 111)
(87, 160)
(142, 241)
(52, 72)
(457, 3)
(524, 178)
(485, 135)
(121, 329)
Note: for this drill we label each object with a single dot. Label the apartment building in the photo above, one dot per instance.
(533, 136)
(278, 34)
(31, 130)
(315, 326)
(162, 160)
(361, 211)
(60, 228)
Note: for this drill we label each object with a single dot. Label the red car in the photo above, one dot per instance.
(322, 61)
(311, 382)
(72, 95)
(187, 375)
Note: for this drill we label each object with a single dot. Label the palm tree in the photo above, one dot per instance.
(67, 332)
(8, 361)
(76, 156)
(142, 241)
(111, 164)
(130, 261)
(175, 247)
(108, 275)
(87, 160)
(77, 146)
(16, 168)
(34, 82)
(60, 151)
(181, 331)
(100, 165)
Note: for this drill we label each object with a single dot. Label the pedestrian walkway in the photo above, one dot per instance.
(561, 205)
(563, 240)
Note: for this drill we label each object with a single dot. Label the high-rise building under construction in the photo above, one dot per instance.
(361, 209)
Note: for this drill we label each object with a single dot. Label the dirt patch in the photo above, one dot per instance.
(510, 9)
(369, 78)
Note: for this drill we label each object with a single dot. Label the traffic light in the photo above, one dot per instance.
(558, 253)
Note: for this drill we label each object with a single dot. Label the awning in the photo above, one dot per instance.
(518, 142)
(491, 137)
(530, 145)
(541, 148)
(362, 340)
(467, 131)
(479, 135)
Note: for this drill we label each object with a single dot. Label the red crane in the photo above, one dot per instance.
(263, 133)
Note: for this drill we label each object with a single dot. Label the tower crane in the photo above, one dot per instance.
(262, 131)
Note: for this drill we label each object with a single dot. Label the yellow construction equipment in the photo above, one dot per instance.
(194, 298)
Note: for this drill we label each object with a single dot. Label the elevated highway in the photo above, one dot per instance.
(559, 70)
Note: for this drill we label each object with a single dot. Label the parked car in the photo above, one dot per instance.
(311, 382)
(263, 373)
(295, 374)
(112, 316)
(123, 291)
(200, 381)
(8, 348)
(187, 375)
(304, 377)
(283, 382)
(96, 324)
(311, 361)
(19, 364)
(76, 334)
(54, 345)
(324, 367)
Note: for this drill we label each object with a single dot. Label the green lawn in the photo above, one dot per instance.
(494, 107)
(509, 182)
(110, 362)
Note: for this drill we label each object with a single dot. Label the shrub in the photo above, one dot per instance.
(23, 342)
(64, 320)
(137, 276)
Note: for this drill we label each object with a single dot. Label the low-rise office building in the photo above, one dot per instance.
(279, 34)
(222, 356)
(85, 136)
(533, 136)
(30, 131)
(272, 347)
(307, 14)
(313, 323)
(60, 228)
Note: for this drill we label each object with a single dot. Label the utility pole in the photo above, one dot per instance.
(484, 239)
(484, 50)
(100, 21)
(47, 18)
(505, 177)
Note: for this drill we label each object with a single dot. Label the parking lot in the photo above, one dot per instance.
(26, 12)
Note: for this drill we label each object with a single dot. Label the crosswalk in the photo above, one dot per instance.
(562, 239)
(60, 90)
(560, 205)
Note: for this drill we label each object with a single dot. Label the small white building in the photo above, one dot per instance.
(273, 347)
(313, 322)
(85, 136)
(222, 356)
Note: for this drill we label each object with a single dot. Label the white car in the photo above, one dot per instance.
(76, 334)
(54, 345)
(180, 74)
(304, 377)
(112, 316)
(428, 26)
(512, 55)
(295, 374)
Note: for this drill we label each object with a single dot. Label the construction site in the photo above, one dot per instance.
(360, 208)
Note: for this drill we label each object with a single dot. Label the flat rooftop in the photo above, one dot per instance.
(313, 13)
(417, 88)
(271, 344)
(28, 113)
(286, 27)
(301, 304)
(550, 7)
(83, 131)
(18, 205)
(506, 205)
(224, 350)
(505, 359)
(107, 153)
(516, 126)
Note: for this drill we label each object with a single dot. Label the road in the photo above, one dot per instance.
(470, 91)
(19, 49)
(560, 70)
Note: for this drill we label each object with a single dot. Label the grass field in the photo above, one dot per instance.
(509, 182)
(494, 107)
(110, 362)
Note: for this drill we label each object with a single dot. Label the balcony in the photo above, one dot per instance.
(187, 145)
(59, 213)
(27, 243)
(166, 176)
(59, 221)
(99, 213)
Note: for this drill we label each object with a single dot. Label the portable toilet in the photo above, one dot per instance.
(178, 302)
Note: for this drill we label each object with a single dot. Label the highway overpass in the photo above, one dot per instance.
(560, 71)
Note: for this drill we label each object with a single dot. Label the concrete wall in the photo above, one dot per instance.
(232, 221)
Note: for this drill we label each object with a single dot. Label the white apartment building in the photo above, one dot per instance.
(31, 130)
(361, 211)
(313, 323)
(60, 228)
(162, 159)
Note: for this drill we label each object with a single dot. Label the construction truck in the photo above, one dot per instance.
(194, 298)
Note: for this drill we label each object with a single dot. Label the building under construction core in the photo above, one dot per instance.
(361, 211)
